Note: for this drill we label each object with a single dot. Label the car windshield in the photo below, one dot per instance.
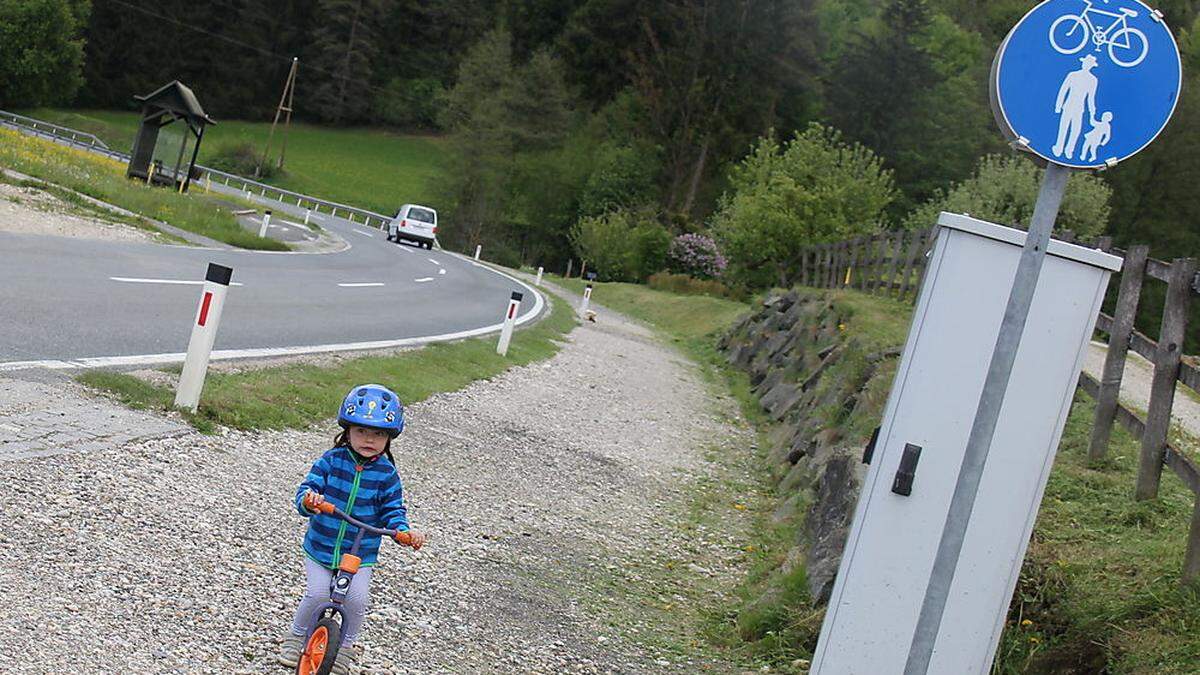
(423, 215)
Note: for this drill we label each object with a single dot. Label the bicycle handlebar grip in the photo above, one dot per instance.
(403, 538)
(325, 507)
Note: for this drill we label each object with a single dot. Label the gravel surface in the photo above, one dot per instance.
(543, 490)
(33, 211)
(1135, 386)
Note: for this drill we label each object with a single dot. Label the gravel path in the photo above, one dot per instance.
(32, 211)
(1135, 387)
(541, 489)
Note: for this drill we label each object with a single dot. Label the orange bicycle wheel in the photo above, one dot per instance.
(321, 648)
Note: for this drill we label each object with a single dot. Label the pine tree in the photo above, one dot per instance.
(345, 42)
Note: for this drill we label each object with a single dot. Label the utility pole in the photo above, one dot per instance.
(289, 93)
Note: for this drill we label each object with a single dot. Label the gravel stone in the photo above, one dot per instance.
(182, 554)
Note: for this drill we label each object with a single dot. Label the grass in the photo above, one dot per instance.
(296, 396)
(1100, 586)
(104, 179)
(1100, 589)
(367, 168)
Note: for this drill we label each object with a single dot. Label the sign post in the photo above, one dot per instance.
(1114, 68)
(1079, 84)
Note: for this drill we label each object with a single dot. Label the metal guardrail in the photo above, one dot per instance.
(73, 136)
(207, 177)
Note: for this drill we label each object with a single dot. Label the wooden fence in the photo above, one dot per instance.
(891, 264)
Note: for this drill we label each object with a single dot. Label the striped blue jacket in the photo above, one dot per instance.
(368, 489)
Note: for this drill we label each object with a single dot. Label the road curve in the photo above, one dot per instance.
(86, 302)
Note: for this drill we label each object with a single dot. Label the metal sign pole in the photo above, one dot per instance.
(1054, 184)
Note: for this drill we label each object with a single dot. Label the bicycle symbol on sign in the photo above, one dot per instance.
(1127, 46)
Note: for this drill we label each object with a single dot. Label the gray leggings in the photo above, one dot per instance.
(317, 592)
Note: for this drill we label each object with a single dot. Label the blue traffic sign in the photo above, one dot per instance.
(1086, 83)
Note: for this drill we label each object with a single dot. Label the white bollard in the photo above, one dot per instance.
(262, 231)
(307, 215)
(478, 249)
(514, 304)
(587, 298)
(539, 279)
(204, 332)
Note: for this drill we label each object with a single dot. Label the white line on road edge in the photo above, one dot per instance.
(362, 284)
(268, 352)
(181, 282)
(434, 262)
(365, 234)
(423, 280)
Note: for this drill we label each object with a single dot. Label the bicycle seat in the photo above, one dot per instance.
(1128, 12)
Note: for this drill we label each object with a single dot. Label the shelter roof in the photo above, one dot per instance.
(176, 97)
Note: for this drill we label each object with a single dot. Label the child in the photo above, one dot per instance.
(359, 476)
(1100, 133)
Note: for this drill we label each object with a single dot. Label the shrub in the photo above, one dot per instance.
(696, 255)
(623, 176)
(622, 245)
(687, 285)
(240, 159)
(1004, 189)
(409, 104)
(815, 188)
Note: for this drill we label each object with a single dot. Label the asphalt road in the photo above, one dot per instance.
(69, 299)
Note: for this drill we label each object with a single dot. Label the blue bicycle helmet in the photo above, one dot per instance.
(375, 406)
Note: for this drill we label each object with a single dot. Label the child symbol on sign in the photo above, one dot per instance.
(1100, 134)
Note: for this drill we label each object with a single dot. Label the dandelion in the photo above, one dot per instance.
(1027, 623)
(1034, 640)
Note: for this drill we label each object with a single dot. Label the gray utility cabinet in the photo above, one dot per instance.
(889, 553)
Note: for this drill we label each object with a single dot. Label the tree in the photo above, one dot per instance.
(911, 86)
(815, 188)
(1004, 190)
(346, 40)
(41, 51)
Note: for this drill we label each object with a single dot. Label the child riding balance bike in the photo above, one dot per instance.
(352, 492)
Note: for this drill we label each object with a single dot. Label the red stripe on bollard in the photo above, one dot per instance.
(512, 309)
(204, 307)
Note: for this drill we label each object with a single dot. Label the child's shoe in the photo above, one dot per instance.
(290, 650)
(344, 663)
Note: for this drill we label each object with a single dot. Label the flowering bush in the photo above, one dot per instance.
(697, 255)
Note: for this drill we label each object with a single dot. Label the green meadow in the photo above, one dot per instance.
(368, 168)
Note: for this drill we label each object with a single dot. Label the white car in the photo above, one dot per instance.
(415, 223)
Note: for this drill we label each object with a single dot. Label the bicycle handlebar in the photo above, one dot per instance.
(329, 509)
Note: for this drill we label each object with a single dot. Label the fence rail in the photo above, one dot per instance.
(205, 175)
(892, 264)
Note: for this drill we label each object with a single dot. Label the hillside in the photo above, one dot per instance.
(368, 168)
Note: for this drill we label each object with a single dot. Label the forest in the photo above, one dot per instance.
(710, 137)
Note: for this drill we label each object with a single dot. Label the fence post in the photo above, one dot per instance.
(897, 248)
(833, 265)
(910, 259)
(1166, 371)
(1191, 559)
(1132, 273)
(843, 263)
(804, 266)
(852, 264)
(869, 265)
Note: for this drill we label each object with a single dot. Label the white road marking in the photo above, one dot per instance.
(402, 249)
(365, 234)
(434, 262)
(423, 280)
(363, 284)
(268, 352)
(181, 282)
